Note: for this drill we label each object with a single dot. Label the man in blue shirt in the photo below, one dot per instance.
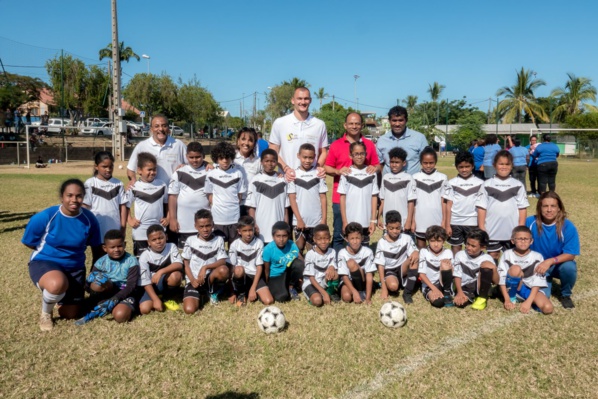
(400, 136)
(519, 161)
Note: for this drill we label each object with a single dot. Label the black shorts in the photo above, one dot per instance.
(227, 231)
(182, 238)
(310, 290)
(496, 246)
(426, 290)
(421, 236)
(459, 234)
(356, 280)
(392, 273)
(249, 279)
(76, 278)
(470, 290)
(307, 233)
(197, 293)
(139, 247)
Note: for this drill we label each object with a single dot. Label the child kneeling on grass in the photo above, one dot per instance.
(161, 270)
(113, 280)
(436, 269)
(320, 278)
(204, 258)
(518, 278)
(356, 267)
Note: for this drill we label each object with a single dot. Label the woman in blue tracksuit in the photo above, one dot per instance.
(545, 156)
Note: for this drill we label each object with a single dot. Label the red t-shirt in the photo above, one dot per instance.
(339, 157)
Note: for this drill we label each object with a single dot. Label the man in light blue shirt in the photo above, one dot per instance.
(400, 136)
(519, 161)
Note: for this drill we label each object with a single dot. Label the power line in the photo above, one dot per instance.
(237, 99)
(24, 66)
(361, 104)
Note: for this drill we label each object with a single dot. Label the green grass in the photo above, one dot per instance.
(337, 351)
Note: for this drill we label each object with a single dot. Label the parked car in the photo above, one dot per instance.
(176, 131)
(91, 121)
(98, 129)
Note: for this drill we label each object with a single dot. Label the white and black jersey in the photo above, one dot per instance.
(149, 200)
(268, 195)
(316, 266)
(396, 189)
(429, 263)
(467, 268)
(502, 200)
(307, 186)
(225, 187)
(392, 254)
(104, 199)
(150, 262)
(528, 265)
(364, 258)
(463, 194)
(358, 187)
(200, 253)
(247, 255)
(428, 203)
(188, 185)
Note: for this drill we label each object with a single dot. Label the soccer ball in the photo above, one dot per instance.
(271, 320)
(393, 315)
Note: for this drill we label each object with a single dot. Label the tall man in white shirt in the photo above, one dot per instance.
(296, 128)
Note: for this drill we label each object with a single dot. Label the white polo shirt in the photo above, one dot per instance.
(170, 156)
(289, 133)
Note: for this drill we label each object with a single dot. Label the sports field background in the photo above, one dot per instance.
(336, 351)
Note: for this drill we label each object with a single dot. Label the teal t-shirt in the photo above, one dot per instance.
(280, 258)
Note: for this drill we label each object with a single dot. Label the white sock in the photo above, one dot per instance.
(50, 300)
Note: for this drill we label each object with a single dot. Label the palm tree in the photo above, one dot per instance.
(296, 83)
(435, 89)
(572, 97)
(520, 99)
(410, 102)
(125, 53)
(320, 95)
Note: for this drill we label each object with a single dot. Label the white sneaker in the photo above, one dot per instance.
(45, 322)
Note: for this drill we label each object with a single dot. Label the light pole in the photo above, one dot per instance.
(355, 89)
(147, 57)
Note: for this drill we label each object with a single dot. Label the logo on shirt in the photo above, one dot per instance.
(107, 195)
(290, 137)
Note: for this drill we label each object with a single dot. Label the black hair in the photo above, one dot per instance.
(69, 182)
(100, 157)
(250, 131)
(491, 139)
(195, 146)
(464, 156)
(160, 116)
(353, 227)
(245, 221)
(144, 158)
(307, 147)
(204, 214)
(354, 113)
(397, 152)
(114, 234)
(393, 217)
(546, 137)
(428, 151)
(520, 229)
(154, 228)
(517, 142)
(479, 235)
(533, 136)
(436, 233)
(503, 154)
(223, 150)
(320, 228)
(269, 151)
(397, 110)
(356, 144)
(278, 226)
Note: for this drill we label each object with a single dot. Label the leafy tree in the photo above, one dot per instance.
(321, 95)
(234, 122)
(125, 53)
(19, 89)
(68, 79)
(197, 105)
(519, 99)
(470, 128)
(587, 120)
(573, 96)
(153, 94)
(334, 119)
(279, 100)
(97, 92)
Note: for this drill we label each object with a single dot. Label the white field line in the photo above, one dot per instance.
(408, 366)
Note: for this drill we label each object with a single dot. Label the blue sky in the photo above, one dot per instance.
(397, 48)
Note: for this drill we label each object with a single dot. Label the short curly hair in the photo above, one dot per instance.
(223, 150)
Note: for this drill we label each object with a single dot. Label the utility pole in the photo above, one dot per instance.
(489, 102)
(117, 144)
(254, 102)
(333, 103)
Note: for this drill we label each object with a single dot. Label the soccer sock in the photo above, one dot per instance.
(512, 284)
(446, 276)
(485, 282)
(50, 300)
(239, 284)
(411, 280)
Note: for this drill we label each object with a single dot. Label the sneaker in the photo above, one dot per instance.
(335, 297)
(45, 322)
(240, 300)
(513, 299)
(407, 298)
(448, 301)
(172, 305)
(479, 303)
(362, 295)
(214, 299)
(294, 294)
(567, 303)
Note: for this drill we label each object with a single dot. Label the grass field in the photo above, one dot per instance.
(336, 351)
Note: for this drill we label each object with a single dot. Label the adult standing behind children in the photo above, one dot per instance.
(296, 128)
(556, 238)
(338, 163)
(490, 150)
(546, 155)
(519, 161)
(401, 136)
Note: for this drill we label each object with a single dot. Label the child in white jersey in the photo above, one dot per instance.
(436, 269)
(320, 277)
(518, 278)
(356, 267)
(396, 189)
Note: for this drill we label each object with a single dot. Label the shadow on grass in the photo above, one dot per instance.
(9, 229)
(234, 395)
(6, 217)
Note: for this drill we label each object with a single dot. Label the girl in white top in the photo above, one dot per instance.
(246, 157)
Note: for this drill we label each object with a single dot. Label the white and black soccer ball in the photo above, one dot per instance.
(271, 320)
(393, 315)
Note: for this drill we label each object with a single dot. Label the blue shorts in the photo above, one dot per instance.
(159, 288)
(524, 292)
(76, 278)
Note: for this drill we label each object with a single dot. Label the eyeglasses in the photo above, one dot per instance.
(358, 154)
(523, 239)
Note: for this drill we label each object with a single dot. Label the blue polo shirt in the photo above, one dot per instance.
(490, 151)
(549, 244)
(546, 152)
(478, 157)
(411, 141)
(519, 155)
